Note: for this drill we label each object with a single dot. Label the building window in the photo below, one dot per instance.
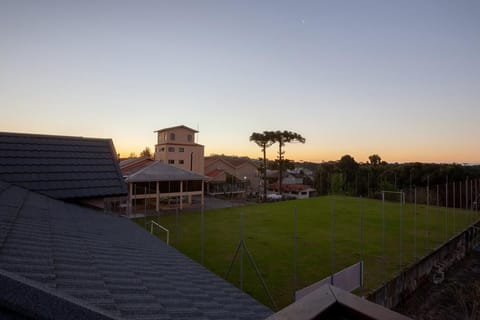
(181, 161)
(172, 136)
(180, 149)
(190, 138)
(162, 149)
(171, 149)
(171, 161)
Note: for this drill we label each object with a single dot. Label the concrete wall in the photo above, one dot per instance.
(412, 277)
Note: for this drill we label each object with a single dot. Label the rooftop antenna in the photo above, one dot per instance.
(198, 131)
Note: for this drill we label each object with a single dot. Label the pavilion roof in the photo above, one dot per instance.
(158, 171)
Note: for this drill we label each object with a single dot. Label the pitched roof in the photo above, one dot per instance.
(175, 127)
(62, 254)
(158, 171)
(232, 161)
(329, 302)
(61, 167)
(215, 173)
(132, 165)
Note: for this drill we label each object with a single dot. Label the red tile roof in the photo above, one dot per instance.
(214, 173)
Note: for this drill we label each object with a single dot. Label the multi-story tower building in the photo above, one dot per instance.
(176, 146)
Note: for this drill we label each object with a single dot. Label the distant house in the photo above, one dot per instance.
(292, 178)
(292, 185)
(176, 146)
(231, 175)
(74, 169)
(62, 261)
(298, 191)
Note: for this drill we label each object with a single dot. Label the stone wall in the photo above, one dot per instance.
(429, 268)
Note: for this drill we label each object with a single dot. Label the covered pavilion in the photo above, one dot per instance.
(165, 184)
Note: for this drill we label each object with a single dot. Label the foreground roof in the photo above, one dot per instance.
(61, 167)
(158, 171)
(86, 264)
(329, 302)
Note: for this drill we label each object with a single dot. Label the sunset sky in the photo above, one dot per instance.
(396, 78)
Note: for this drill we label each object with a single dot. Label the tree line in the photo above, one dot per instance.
(346, 176)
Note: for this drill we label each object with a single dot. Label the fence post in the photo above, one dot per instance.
(176, 228)
(332, 248)
(383, 238)
(241, 250)
(475, 192)
(415, 223)
(454, 210)
(471, 200)
(402, 195)
(446, 209)
(361, 228)
(437, 217)
(294, 252)
(202, 235)
(426, 214)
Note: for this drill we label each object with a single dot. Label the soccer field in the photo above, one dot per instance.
(268, 230)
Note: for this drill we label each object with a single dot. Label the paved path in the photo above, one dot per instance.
(210, 204)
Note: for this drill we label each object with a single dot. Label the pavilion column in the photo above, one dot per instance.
(189, 195)
(157, 206)
(130, 192)
(202, 192)
(181, 194)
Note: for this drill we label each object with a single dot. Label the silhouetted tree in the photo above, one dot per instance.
(146, 152)
(375, 159)
(348, 166)
(263, 140)
(283, 137)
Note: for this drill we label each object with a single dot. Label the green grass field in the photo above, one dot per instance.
(269, 230)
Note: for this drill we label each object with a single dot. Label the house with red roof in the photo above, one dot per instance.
(229, 175)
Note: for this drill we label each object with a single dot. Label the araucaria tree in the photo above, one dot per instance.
(283, 137)
(263, 140)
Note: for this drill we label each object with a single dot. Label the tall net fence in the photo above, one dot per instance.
(296, 243)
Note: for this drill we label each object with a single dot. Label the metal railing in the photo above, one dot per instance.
(152, 223)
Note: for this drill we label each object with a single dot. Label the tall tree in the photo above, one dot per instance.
(375, 159)
(349, 167)
(146, 152)
(263, 140)
(283, 137)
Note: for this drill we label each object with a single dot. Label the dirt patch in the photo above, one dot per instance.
(457, 297)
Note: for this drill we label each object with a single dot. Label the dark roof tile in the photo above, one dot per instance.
(61, 167)
(110, 263)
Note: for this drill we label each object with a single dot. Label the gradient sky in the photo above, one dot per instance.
(396, 78)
